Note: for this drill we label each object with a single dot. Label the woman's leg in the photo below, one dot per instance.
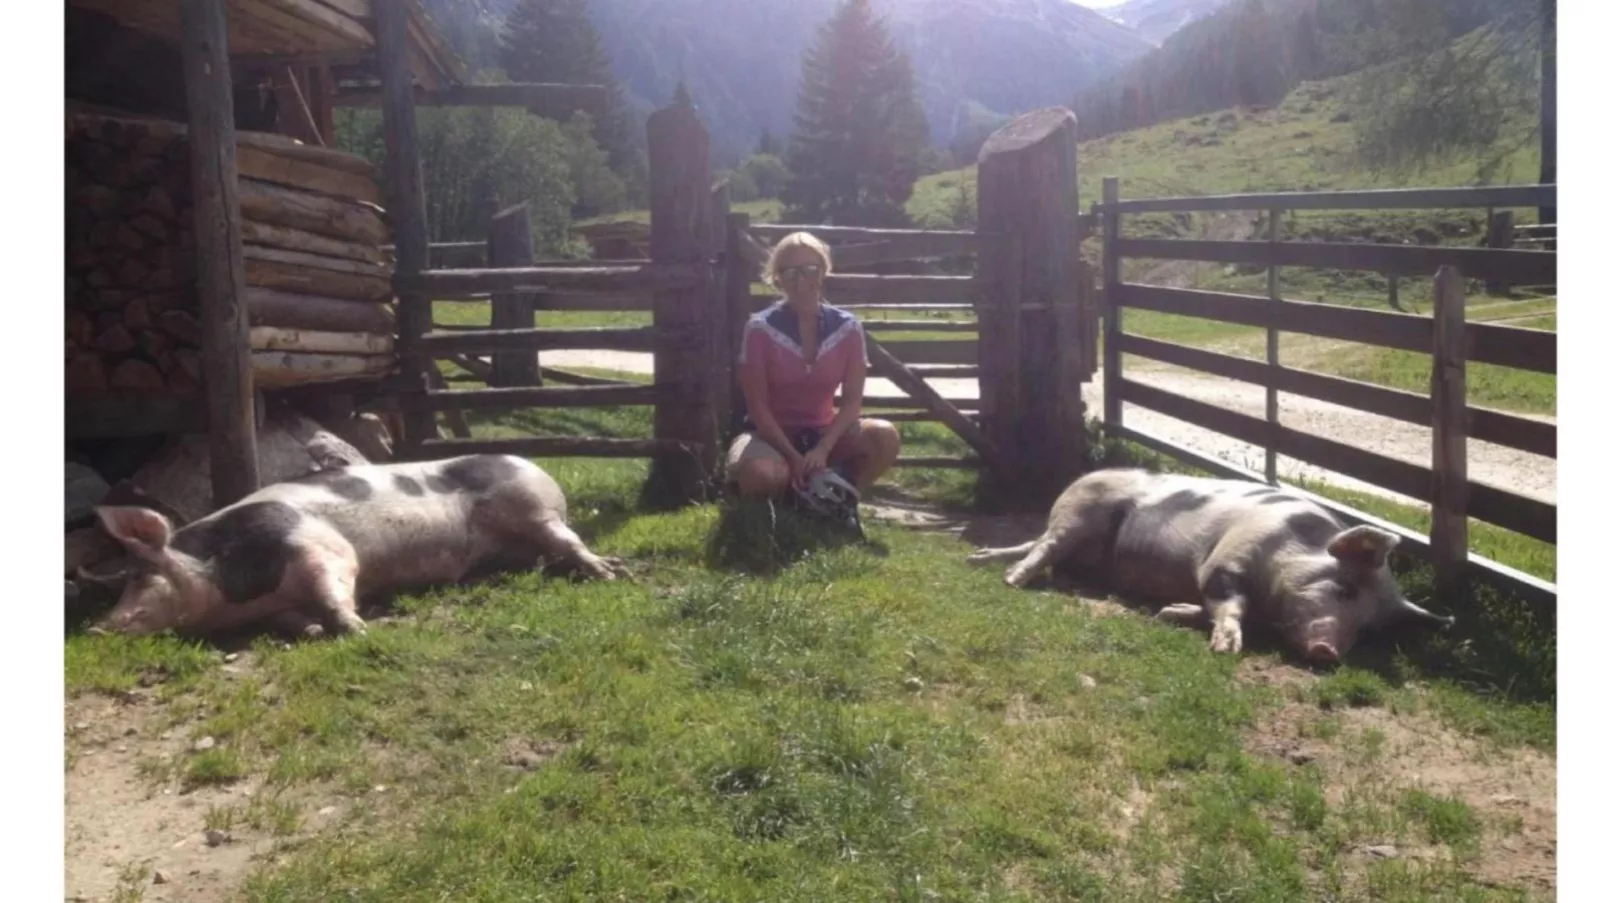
(867, 450)
(757, 469)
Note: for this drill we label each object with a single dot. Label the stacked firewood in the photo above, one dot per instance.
(319, 282)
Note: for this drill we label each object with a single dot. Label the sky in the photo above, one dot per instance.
(1098, 4)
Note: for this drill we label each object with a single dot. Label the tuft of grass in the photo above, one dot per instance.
(1443, 820)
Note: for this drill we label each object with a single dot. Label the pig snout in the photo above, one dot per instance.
(1327, 638)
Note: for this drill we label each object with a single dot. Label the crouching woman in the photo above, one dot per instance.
(794, 358)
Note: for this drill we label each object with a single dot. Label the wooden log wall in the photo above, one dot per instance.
(318, 285)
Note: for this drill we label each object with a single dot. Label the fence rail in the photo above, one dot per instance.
(1451, 342)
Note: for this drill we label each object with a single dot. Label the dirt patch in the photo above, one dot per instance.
(133, 831)
(1512, 791)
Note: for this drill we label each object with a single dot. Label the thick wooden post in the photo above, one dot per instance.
(1027, 187)
(1448, 534)
(1112, 302)
(508, 244)
(739, 276)
(404, 184)
(219, 258)
(1274, 292)
(678, 171)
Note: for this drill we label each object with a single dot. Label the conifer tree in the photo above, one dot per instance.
(859, 126)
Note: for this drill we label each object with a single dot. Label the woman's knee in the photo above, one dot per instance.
(883, 437)
(762, 476)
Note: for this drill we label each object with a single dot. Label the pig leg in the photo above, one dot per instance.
(1224, 601)
(1184, 615)
(1039, 559)
(334, 595)
(1012, 553)
(296, 623)
(554, 536)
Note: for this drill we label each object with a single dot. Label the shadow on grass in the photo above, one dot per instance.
(763, 538)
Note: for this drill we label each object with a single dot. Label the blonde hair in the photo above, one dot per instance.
(796, 239)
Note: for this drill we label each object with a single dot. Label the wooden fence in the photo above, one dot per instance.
(1447, 336)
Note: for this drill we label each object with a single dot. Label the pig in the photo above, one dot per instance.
(1221, 551)
(297, 555)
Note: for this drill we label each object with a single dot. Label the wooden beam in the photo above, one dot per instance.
(1489, 343)
(537, 397)
(842, 288)
(590, 338)
(1387, 199)
(934, 351)
(553, 101)
(1111, 212)
(599, 279)
(555, 447)
(1518, 267)
(920, 391)
(404, 179)
(219, 253)
(267, 307)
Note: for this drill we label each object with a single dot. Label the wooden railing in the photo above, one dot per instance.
(1446, 336)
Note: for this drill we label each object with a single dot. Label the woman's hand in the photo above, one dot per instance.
(807, 465)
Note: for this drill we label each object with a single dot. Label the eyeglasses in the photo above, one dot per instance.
(811, 270)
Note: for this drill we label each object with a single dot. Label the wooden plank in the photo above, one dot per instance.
(1521, 433)
(739, 276)
(1512, 510)
(405, 192)
(298, 240)
(943, 371)
(917, 326)
(290, 271)
(939, 462)
(280, 369)
(1526, 267)
(603, 338)
(915, 351)
(886, 363)
(273, 338)
(536, 397)
(723, 387)
(1386, 199)
(1509, 580)
(1372, 327)
(555, 447)
(844, 289)
(509, 244)
(1403, 477)
(268, 307)
(1448, 534)
(551, 101)
(570, 378)
(904, 402)
(279, 169)
(326, 18)
(279, 206)
(936, 242)
(1273, 296)
(601, 279)
(1512, 346)
(226, 365)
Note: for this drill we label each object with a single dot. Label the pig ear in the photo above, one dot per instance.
(143, 532)
(1363, 547)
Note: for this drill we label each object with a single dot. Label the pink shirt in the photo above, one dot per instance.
(802, 395)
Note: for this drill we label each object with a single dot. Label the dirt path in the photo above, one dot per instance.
(1491, 464)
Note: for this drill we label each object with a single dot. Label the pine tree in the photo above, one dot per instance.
(555, 41)
(767, 143)
(859, 126)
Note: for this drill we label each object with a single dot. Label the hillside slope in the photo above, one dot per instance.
(1157, 20)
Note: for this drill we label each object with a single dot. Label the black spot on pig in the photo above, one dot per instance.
(439, 484)
(246, 549)
(479, 473)
(351, 488)
(1182, 501)
(408, 485)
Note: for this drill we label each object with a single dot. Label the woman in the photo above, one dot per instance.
(795, 355)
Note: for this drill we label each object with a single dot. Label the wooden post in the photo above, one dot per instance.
(1502, 234)
(1448, 534)
(1273, 292)
(679, 176)
(1027, 188)
(219, 257)
(722, 355)
(739, 275)
(1112, 301)
(508, 244)
(404, 183)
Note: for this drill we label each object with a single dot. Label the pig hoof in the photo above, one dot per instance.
(1227, 637)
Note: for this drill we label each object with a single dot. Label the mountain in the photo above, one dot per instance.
(1157, 20)
(977, 61)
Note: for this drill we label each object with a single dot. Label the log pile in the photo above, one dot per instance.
(320, 293)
